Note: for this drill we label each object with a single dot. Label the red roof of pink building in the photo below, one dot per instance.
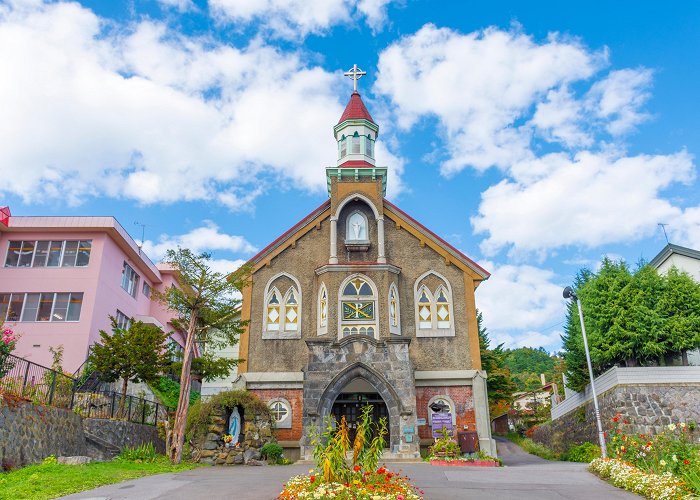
(355, 110)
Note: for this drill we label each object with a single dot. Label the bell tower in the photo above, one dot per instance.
(356, 135)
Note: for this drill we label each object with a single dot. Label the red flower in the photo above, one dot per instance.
(626, 422)
(357, 468)
(615, 419)
(312, 478)
(381, 470)
(605, 434)
(686, 462)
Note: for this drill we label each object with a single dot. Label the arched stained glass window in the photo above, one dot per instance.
(291, 311)
(357, 308)
(442, 306)
(425, 313)
(273, 311)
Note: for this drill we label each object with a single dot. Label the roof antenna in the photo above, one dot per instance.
(663, 227)
(143, 233)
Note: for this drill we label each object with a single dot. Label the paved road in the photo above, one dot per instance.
(524, 477)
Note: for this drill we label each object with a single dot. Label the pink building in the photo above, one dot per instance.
(62, 277)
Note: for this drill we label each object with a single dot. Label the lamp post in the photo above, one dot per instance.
(570, 294)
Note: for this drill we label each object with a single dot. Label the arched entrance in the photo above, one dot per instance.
(351, 401)
(362, 378)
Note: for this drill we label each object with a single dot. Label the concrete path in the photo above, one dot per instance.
(524, 477)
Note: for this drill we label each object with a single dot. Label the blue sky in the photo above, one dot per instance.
(536, 137)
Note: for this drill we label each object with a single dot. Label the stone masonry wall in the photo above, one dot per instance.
(647, 408)
(257, 431)
(121, 434)
(29, 433)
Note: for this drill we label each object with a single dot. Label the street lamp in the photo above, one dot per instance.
(570, 294)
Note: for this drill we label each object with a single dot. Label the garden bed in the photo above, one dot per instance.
(464, 463)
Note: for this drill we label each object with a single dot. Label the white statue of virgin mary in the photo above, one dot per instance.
(234, 426)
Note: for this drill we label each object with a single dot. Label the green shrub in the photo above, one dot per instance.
(445, 445)
(273, 452)
(143, 453)
(168, 391)
(585, 453)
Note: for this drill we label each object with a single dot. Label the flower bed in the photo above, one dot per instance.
(464, 462)
(378, 485)
(654, 486)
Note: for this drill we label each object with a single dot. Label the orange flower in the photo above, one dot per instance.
(686, 462)
(312, 478)
(357, 468)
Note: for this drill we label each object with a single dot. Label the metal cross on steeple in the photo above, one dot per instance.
(355, 73)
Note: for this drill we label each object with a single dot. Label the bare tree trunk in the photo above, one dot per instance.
(183, 404)
(122, 402)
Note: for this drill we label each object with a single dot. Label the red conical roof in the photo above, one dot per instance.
(355, 110)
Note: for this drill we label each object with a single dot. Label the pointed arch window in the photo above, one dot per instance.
(425, 309)
(358, 300)
(434, 309)
(343, 146)
(291, 312)
(442, 308)
(273, 311)
(394, 310)
(356, 143)
(322, 310)
(282, 312)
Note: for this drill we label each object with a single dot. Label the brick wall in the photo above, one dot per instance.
(295, 398)
(460, 395)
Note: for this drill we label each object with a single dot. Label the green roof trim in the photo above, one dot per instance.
(356, 174)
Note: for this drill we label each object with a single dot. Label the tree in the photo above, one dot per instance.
(207, 366)
(136, 354)
(206, 306)
(631, 318)
(679, 306)
(499, 384)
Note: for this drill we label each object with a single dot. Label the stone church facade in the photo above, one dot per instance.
(359, 303)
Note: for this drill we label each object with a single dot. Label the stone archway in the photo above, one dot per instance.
(387, 393)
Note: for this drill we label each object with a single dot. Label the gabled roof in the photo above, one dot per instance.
(355, 110)
(670, 249)
(290, 232)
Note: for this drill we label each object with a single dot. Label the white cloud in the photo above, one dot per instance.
(478, 86)
(294, 19)
(550, 340)
(618, 97)
(685, 230)
(519, 297)
(590, 200)
(207, 238)
(179, 5)
(145, 112)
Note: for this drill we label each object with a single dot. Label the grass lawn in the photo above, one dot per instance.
(532, 447)
(45, 481)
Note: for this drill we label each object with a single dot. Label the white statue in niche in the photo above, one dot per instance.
(234, 426)
(357, 226)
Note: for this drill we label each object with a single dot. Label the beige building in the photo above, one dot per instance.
(358, 304)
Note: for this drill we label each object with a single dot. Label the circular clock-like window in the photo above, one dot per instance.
(279, 411)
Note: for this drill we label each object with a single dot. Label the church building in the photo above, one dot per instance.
(358, 303)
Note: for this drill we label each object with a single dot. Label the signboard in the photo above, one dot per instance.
(408, 430)
(421, 421)
(440, 421)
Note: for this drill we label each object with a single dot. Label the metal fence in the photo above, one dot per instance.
(42, 385)
(34, 382)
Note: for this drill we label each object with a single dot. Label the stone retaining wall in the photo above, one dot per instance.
(647, 408)
(29, 433)
(121, 434)
(257, 431)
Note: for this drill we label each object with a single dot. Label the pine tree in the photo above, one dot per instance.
(207, 308)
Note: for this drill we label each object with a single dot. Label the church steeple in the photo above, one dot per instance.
(356, 135)
(356, 132)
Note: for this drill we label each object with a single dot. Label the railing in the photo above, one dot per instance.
(110, 404)
(35, 382)
(652, 375)
(42, 385)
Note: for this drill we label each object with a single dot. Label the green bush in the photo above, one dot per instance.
(273, 452)
(585, 452)
(144, 453)
(168, 391)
